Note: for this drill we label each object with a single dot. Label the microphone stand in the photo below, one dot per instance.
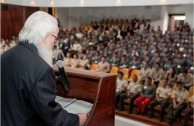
(63, 79)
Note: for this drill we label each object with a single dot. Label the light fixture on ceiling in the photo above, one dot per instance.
(52, 3)
(32, 3)
(2, 1)
(118, 2)
(82, 2)
(163, 1)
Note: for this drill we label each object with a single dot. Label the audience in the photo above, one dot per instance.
(75, 61)
(157, 74)
(121, 86)
(179, 103)
(103, 66)
(171, 76)
(186, 78)
(189, 112)
(84, 63)
(146, 96)
(132, 44)
(67, 60)
(132, 92)
(163, 95)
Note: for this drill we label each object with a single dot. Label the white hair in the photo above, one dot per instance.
(37, 26)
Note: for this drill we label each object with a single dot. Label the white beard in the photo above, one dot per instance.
(46, 54)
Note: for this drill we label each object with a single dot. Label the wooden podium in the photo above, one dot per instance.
(94, 87)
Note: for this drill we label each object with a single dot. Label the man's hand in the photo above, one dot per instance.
(82, 118)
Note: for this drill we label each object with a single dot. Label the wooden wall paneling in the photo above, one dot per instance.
(13, 18)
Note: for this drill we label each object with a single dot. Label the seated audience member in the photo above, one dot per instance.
(84, 63)
(96, 58)
(124, 62)
(135, 64)
(146, 95)
(188, 113)
(133, 91)
(67, 60)
(186, 78)
(57, 54)
(162, 98)
(76, 46)
(145, 71)
(115, 60)
(75, 61)
(157, 74)
(179, 103)
(103, 66)
(121, 86)
(80, 54)
(171, 76)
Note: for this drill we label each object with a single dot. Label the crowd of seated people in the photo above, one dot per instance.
(7, 44)
(134, 44)
(124, 44)
(127, 44)
(145, 96)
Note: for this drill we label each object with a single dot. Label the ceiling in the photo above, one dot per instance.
(94, 3)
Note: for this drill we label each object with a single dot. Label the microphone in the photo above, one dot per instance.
(63, 76)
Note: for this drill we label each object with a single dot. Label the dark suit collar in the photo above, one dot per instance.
(30, 46)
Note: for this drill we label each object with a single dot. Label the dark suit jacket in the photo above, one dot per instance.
(28, 90)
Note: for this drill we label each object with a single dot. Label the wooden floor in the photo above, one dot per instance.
(150, 121)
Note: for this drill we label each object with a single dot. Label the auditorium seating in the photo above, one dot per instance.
(125, 72)
(134, 72)
(157, 109)
(114, 70)
(191, 93)
(93, 67)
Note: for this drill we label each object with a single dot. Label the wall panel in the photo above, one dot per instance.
(13, 18)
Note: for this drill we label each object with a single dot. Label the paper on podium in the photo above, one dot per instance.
(64, 102)
(73, 105)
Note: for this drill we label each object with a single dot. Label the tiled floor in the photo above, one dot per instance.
(120, 121)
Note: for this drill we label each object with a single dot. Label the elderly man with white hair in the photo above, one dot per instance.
(28, 80)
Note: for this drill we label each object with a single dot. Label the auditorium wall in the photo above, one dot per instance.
(159, 15)
(186, 9)
(75, 16)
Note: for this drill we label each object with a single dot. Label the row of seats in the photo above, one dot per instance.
(128, 73)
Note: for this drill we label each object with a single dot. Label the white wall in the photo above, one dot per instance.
(159, 15)
(183, 9)
(76, 16)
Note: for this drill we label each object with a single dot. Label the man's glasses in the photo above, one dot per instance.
(56, 39)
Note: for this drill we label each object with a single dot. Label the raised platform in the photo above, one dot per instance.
(145, 119)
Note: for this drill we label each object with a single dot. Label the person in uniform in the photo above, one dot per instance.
(147, 94)
(84, 63)
(186, 78)
(157, 74)
(75, 61)
(179, 103)
(188, 113)
(121, 86)
(163, 95)
(145, 71)
(67, 60)
(171, 76)
(103, 66)
(133, 91)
